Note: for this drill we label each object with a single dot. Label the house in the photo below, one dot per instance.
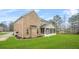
(1, 29)
(75, 27)
(31, 25)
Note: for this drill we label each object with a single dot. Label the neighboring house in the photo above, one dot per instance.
(1, 29)
(30, 25)
(75, 27)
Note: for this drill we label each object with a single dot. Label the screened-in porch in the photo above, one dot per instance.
(48, 30)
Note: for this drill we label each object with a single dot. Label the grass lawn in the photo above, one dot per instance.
(2, 33)
(58, 41)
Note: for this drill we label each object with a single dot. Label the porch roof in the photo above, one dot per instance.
(48, 25)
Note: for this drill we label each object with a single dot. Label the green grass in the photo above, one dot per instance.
(66, 41)
(2, 33)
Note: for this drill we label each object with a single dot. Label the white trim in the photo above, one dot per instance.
(49, 34)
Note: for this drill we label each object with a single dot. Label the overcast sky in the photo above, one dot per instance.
(13, 14)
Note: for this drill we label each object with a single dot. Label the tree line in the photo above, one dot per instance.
(7, 26)
(62, 27)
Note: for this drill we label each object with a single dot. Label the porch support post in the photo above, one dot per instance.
(44, 30)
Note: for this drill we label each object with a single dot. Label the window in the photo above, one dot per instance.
(42, 30)
(17, 32)
(51, 31)
(37, 31)
(27, 32)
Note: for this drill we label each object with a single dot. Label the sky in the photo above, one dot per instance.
(8, 15)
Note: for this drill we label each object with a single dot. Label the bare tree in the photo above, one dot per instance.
(57, 21)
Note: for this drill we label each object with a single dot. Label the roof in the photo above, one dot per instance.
(25, 15)
(44, 22)
(47, 25)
